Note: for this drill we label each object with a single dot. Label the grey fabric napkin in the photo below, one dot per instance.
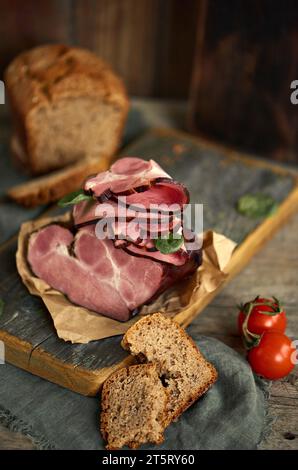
(232, 415)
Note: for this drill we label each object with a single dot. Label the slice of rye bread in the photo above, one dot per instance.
(49, 188)
(134, 404)
(182, 367)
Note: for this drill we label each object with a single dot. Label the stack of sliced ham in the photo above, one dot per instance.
(108, 261)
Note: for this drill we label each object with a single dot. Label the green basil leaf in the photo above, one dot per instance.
(74, 198)
(170, 244)
(256, 205)
(2, 303)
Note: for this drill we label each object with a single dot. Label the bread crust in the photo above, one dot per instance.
(195, 396)
(45, 75)
(51, 187)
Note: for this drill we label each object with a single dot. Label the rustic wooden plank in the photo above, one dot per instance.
(284, 431)
(174, 47)
(124, 34)
(27, 24)
(14, 440)
(283, 410)
(24, 316)
(83, 368)
(147, 42)
(245, 61)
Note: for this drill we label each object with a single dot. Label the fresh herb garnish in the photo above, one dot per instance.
(170, 244)
(2, 303)
(257, 205)
(74, 198)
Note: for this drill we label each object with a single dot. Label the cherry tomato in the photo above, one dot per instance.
(272, 358)
(258, 322)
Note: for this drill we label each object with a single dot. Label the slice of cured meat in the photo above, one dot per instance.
(125, 174)
(94, 274)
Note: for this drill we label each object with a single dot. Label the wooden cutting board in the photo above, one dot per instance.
(216, 177)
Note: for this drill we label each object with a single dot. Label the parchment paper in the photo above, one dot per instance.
(80, 325)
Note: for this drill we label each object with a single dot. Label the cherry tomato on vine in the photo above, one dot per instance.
(272, 358)
(264, 315)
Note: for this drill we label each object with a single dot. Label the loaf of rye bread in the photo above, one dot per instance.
(68, 107)
(183, 373)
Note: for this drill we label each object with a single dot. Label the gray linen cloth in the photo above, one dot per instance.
(232, 415)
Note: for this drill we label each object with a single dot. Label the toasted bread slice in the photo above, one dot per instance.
(183, 369)
(134, 405)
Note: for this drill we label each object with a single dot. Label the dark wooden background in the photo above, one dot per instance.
(246, 59)
(235, 59)
(150, 43)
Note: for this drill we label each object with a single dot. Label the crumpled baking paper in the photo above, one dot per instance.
(80, 325)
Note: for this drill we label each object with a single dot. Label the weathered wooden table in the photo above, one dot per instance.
(273, 271)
